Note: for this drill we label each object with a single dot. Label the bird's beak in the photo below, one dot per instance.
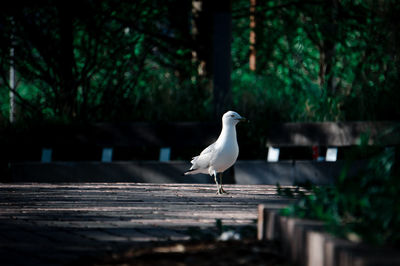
(242, 119)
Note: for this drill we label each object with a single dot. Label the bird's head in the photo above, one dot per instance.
(232, 118)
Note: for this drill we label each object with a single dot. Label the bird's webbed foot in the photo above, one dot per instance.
(221, 191)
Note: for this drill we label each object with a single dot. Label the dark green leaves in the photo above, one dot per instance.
(364, 207)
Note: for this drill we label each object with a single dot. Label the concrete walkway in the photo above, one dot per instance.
(43, 224)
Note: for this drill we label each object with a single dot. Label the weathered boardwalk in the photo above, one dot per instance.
(44, 223)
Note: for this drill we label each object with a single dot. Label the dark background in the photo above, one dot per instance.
(79, 63)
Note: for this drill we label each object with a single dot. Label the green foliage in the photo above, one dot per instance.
(130, 62)
(363, 207)
(133, 61)
(324, 63)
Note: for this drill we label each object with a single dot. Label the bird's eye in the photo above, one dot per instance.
(232, 115)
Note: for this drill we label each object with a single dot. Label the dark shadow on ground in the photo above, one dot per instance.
(215, 253)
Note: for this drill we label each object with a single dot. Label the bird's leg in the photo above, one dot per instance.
(216, 182)
(221, 190)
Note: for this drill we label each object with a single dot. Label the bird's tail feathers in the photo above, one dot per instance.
(192, 172)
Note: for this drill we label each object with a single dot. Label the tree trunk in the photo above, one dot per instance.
(327, 48)
(222, 36)
(68, 90)
(202, 25)
(12, 76)
(252, 58)
(212, 34)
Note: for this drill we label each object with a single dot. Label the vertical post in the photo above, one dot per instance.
(12, 76)
(12, 86)
(261, 222)
(68, 89)
(222, 37)
(252, 58)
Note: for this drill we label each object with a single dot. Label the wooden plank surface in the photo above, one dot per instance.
(43, 223)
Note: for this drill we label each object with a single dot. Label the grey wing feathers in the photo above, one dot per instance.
(208, 149)
(203, 160)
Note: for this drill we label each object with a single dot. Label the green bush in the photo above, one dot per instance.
(362, 207)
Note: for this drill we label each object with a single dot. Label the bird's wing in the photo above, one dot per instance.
(202, 161)
(209, 149)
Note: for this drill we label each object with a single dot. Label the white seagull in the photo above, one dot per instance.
(220, 155)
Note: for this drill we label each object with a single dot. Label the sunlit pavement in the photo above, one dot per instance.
(44, 223)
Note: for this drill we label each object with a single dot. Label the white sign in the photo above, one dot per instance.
(331, 154)
(273, 154)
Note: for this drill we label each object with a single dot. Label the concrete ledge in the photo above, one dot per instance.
(124, 171)
(255, 172)
(258, 172)
(306, 243)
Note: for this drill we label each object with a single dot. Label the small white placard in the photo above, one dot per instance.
(106, 156)
(165, 154)
(273, 154)
(46, 155)
(331, 154)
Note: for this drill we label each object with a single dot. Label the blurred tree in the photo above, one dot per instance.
(328, 60)
(252, 37)
(72, 65)
(154, 60)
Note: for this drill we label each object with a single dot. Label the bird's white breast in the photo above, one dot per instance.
(227, 153)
